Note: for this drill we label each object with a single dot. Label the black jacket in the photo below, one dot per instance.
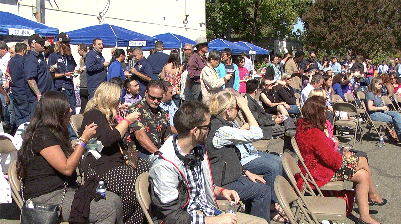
(264, 119)
(287, 95)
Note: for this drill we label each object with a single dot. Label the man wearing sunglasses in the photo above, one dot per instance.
(153, 126)
(36, 70)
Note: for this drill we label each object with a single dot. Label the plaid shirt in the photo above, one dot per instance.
(197, 200)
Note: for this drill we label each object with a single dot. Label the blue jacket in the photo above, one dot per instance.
(338, 90)
(221, 70)
(95, 70)
(115, 70)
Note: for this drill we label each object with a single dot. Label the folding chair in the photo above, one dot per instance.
(351, 99)
(324, 208)
(386, 100)
(76, 122)
(297, 95)
(352, 112)
(397, 99)
(336, 98)
(142, 194)
(6, 146)
(294, 207)
(330, 186)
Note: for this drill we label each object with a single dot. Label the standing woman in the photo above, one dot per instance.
(243, 74)
(111, 166)
(43, 164)
(328, 88)
(116, 68)
(171, 72)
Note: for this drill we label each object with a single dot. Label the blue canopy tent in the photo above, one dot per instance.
(252, 47)
(13, 27)
(112, 36)
(173, 41)
(220, 44)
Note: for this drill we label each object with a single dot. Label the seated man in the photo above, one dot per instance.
(168, 104)
(268, 122)
(180, 182)
(315, 83)
(153, 125)
(287, 94)
(132, 96)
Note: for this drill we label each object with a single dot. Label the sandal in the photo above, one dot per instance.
(279, 209)
(279, 218)
(371, 203)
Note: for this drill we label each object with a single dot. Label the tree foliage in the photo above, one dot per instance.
(359, 27)
(252, 20)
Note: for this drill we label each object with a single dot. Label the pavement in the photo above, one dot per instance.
(386, 173)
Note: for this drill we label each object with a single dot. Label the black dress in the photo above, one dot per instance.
(274, 98)
(111, 168)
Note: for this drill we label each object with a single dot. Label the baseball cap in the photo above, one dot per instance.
(63, 37)
(201, 40)
(36, 38)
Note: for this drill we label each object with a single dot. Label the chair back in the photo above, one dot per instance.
(293, 206)
(345, 107)
(142, 194)
(297, 95)
(397, 98)
(76, 122)
(386, 100)
(15, 184)
(336, 98)
(6, 145)
(349, 97)
(361, 95)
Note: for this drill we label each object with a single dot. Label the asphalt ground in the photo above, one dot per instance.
(386, 172)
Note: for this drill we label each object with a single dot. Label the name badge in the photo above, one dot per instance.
(60, 60)
(39, 60)
(97, 56)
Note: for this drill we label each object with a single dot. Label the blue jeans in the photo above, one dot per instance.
(23, 109)
(71, 98)
(258, 194)
(293, 109)
(268, 165)
(390, 117)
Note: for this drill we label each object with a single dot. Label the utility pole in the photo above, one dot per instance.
(40, 11)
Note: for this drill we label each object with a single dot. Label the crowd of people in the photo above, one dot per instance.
(182, 115)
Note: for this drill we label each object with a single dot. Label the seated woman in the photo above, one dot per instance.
(44, 167)
(111, 167)
(326, 163)
(340, 84)
(225, 138)
(271, 101)
(377, 110)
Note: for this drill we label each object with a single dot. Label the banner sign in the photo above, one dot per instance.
(20, 32)
(135, 43)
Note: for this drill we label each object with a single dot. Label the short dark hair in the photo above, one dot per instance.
(227, 51)
(3, 45)
(155, 84)
(190, 115)
(167, 85)
(19, 47)
(251, 85)
(83, 47)
(316, 79)
(94, 40)
(214, 54)
(118, 81)
(128, 80)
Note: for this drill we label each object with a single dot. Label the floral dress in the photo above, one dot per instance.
(175, 80)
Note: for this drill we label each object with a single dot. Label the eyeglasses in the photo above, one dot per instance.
(153, 98)
(187, 49)
(207, 126)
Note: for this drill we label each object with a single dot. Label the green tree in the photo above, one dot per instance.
(358, 27)
(252, 20)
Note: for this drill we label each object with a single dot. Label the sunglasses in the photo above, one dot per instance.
(187, 49)
(153, 98)
(207, 126)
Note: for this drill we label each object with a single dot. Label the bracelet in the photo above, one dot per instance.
(81, 143)
(221, 191)
(83, 140)
(125, 119)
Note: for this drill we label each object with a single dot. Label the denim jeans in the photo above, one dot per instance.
(258, 194)
(23, 109)
(71, 98)
(293, 109)
(390, 117)
(268, 165)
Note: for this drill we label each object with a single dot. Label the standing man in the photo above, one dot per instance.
(158, 59)
(186, 54)
(4, 59)
(142, 70)
(83, 89)
(21, 94)
(228, 67)
(36, 71)
(185, 92)
(273, 71)
(153, 126)
(95, 67)
(63, 65)
(181, 184)
(196, 63)
(335, 66)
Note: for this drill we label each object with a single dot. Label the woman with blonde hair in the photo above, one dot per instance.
(111, 167)
(227, 141)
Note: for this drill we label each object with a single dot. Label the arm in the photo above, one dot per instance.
(260, 118)
(227, 135)
(32, 84)
(211, 80)
(390, 89)
(145, 141)
(6, 99)
(163, 72)
(325, 149)
(267, 101)
(92, 64)
(373, 108)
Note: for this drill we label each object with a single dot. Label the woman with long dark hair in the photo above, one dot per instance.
(171, 72)
(116, 68)
(326, 163)
(44, 166)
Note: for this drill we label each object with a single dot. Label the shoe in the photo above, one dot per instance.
(360, 221)
(371, 203)
(290, 133)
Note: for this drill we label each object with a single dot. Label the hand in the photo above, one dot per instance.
(123, 106)
(127, 74)
(106, 64)
(230, 194)
(228, 218)
(253, 177)
(286, 106)
(133, 70)
(347, 153)
(279, 119)
(242, 102)
(89, 132)
(245, 126)
(132, 117)
(68, 74)
(335, 140)
(228, 76)
(386, 108)
(52, 69)
(7, 100)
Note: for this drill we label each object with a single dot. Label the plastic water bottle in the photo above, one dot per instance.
(101, 189)
(231, 208)
(381, 142)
